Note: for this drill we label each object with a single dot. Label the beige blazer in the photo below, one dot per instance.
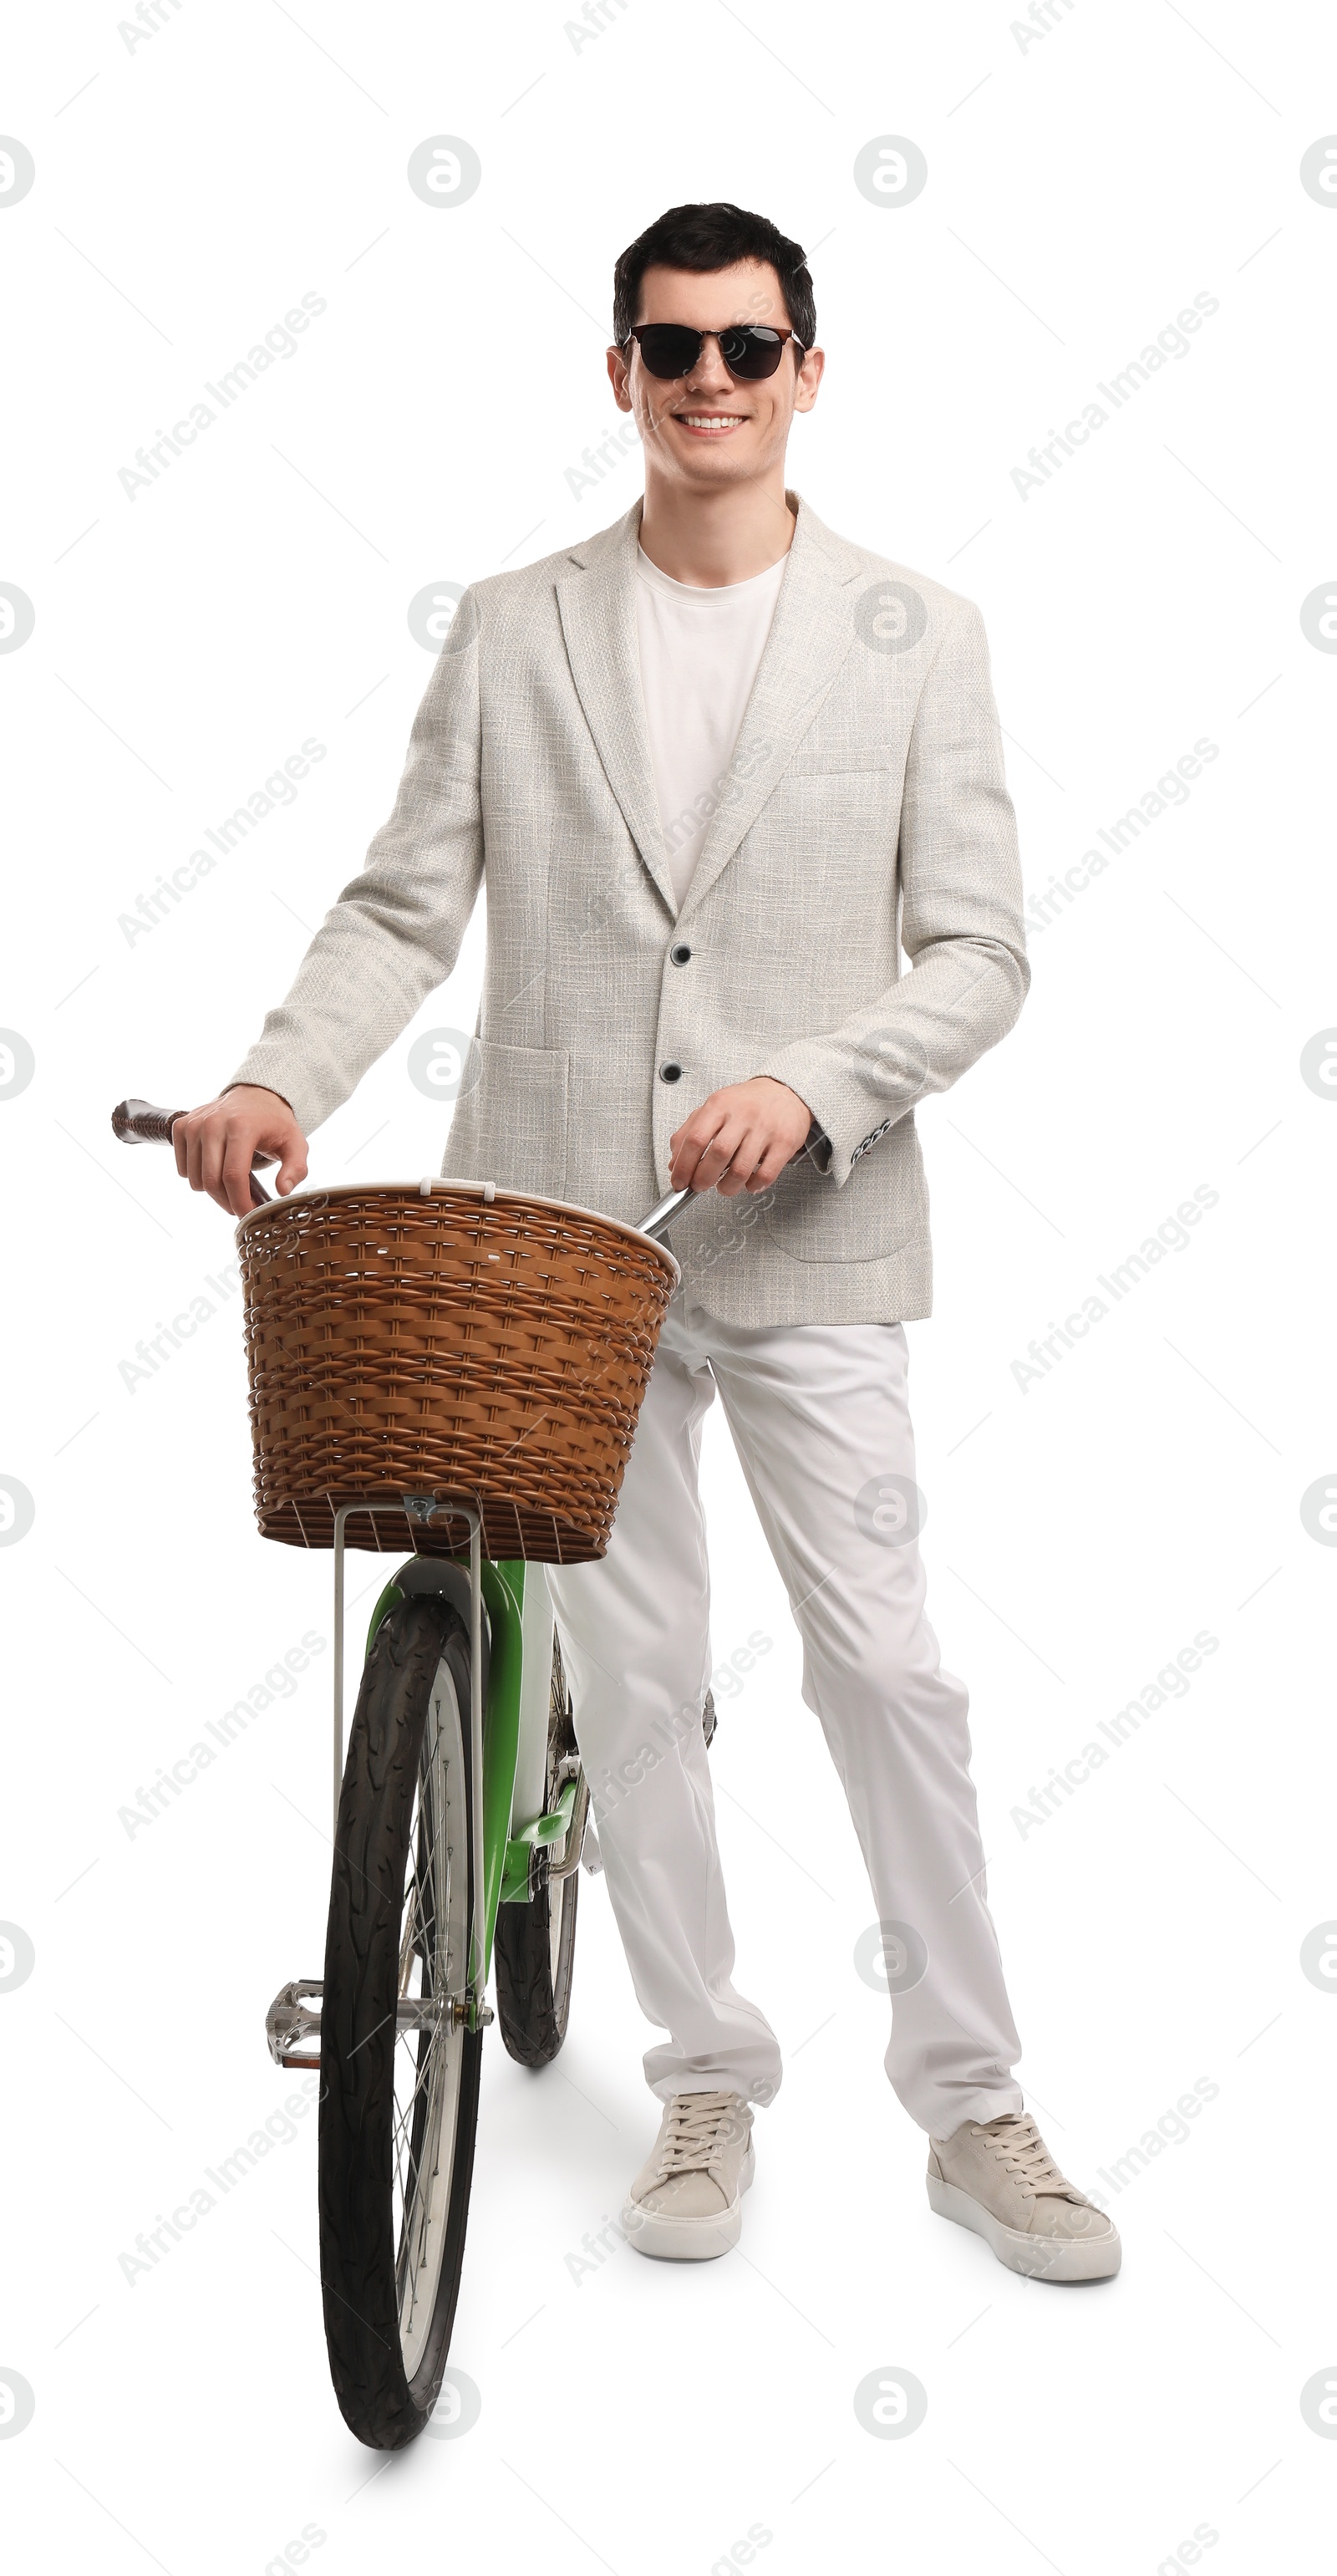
(864, 815)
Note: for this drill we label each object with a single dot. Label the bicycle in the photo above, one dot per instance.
(461, 1811)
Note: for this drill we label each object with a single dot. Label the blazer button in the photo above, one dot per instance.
(680, 953)
(670, 1073)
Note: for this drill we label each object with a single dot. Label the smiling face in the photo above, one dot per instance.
(708, 429)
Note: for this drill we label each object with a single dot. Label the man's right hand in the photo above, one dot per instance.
(216, 1145)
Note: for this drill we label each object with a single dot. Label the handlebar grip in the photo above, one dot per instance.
(137, 1122)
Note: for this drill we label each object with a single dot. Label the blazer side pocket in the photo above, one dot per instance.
(511, 1126)
(883, 1204)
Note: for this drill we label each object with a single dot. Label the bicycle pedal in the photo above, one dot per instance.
(289, 2024)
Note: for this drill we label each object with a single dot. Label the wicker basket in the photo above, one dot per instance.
(449, 1338)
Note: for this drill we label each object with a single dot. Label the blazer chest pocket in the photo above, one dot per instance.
(851, 760)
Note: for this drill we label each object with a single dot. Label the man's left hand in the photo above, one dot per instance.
(740, 1138)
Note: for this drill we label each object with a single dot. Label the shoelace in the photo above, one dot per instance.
(1018, 2145)
(700, 2126)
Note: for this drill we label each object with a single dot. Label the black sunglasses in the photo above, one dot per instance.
(749, 350)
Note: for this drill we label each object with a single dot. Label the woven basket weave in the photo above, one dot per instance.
(401, 1342)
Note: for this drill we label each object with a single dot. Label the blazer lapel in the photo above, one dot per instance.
(596, 601)
(811, 633)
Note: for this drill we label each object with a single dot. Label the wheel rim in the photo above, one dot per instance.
(429, 2060)
(557, 1889)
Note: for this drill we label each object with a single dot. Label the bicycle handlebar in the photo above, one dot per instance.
(667, 1208)
(137, 1122)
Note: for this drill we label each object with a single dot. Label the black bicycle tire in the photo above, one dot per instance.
(378, 2402)
(533, 2008)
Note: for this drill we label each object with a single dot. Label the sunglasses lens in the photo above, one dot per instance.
(669, 348)
(752, 353)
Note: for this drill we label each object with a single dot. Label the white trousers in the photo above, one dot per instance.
(820, 1421)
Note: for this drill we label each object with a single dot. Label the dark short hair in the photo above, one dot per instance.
(705, 238)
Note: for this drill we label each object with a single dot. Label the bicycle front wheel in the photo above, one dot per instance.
(399, 2072)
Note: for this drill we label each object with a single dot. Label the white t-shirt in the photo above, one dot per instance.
(699, 652)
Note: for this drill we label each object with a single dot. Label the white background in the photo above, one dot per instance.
(1082, 189)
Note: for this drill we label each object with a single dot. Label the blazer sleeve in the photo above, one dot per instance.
(961, 922)
(396, 931)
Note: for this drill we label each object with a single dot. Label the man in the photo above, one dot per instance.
(712, 763)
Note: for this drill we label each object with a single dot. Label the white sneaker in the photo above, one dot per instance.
(686, 2202)
(998, 2178)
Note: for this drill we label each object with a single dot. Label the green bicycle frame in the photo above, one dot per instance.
(509, 1844)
